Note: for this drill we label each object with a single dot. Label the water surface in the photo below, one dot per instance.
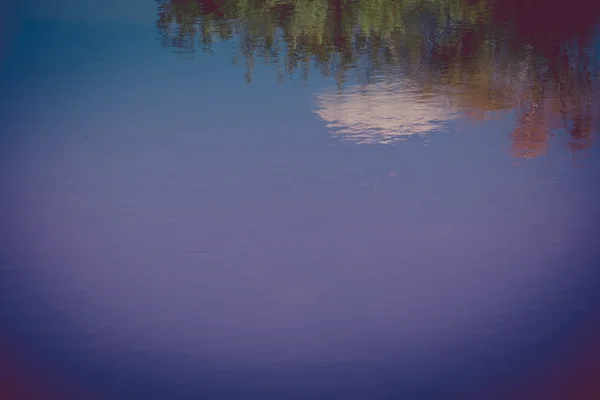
(299, 199)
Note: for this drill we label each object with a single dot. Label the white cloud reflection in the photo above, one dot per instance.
(383, 113)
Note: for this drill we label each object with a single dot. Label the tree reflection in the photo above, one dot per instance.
(479, 56)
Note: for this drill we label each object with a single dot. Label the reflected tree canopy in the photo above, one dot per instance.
(471, 56)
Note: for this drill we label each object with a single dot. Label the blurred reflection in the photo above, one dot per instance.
(443, 57)
(383, 113)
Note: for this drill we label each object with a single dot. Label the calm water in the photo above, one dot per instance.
(205, 199)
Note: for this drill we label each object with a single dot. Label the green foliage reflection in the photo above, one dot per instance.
(484, 56)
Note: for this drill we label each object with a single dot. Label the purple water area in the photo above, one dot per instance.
(176, 225)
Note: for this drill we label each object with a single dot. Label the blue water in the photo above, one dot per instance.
(171, 231)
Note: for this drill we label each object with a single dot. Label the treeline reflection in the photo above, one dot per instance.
(477, 57)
